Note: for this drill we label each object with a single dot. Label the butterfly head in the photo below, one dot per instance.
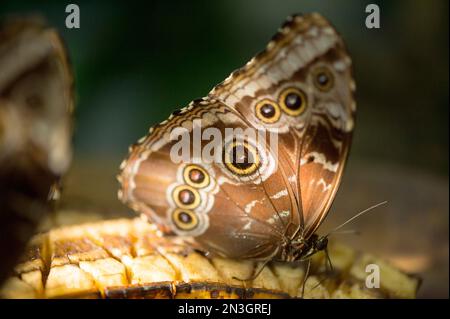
(301, 249)
(320, 243)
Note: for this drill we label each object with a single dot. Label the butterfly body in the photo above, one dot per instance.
(261, 191)
(301, 249)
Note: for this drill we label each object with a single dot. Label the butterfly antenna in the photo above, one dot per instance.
(356, 216)
(347, 232)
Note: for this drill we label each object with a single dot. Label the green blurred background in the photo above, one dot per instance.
(137, 61)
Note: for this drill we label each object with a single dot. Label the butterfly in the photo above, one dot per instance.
(36, 121)
(267, 203)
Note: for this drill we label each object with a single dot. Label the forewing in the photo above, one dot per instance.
(229, 212)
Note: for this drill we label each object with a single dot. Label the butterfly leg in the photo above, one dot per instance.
(305, 278)
(255, 274)
(328, 271)
(327, 255)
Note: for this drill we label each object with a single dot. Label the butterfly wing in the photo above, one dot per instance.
(238, 211)
(301, 87)
(36, 87)
(36, 105)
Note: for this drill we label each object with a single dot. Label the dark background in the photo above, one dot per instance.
(135, 62)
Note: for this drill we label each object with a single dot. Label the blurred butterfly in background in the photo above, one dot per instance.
(267, 203)
(36, 124)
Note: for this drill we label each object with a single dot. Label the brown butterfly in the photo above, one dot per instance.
(36, 119)
(265, 204)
